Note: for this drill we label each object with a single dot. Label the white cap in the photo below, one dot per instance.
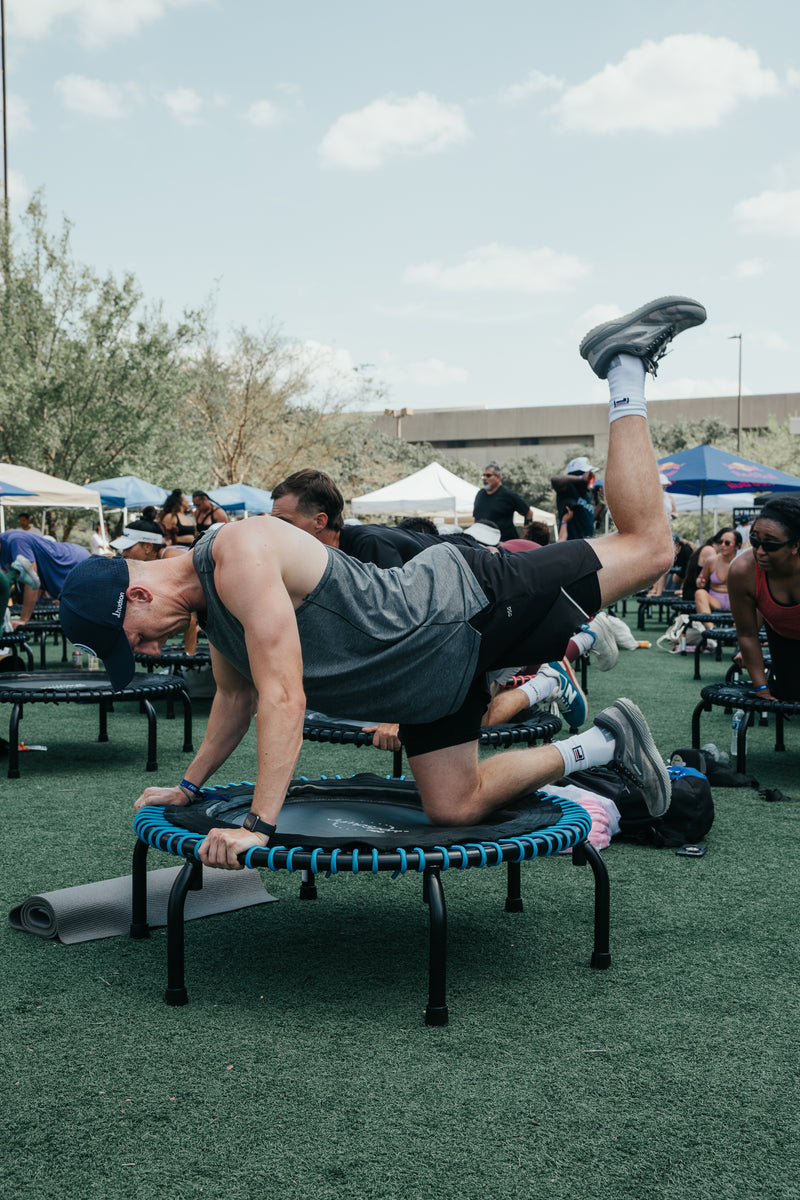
(131, 536)
(580, 466)
(487, 535)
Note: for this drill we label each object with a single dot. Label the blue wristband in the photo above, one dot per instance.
(762, 687)
(189, 787)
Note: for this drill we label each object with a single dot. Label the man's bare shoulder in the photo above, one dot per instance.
(263, 548)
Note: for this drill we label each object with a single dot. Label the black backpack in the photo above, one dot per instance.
(688, 819)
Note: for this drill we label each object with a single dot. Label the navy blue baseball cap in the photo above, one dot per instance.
(92, 608)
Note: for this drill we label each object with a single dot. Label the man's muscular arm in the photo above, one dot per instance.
(259, 599)
(232, 709)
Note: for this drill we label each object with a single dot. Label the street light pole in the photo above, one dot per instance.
(5, 124)
(733, 338)
(398, 414)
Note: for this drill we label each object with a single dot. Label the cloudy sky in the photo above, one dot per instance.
(446, 194)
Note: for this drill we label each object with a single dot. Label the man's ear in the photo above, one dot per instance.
(321, 521)
(138, 594)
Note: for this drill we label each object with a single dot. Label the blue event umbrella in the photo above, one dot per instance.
(704, 471)
(240, 497)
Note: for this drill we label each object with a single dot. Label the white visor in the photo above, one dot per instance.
(131, 536)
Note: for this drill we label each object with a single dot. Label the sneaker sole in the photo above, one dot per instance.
(656, 805)
(600, 332)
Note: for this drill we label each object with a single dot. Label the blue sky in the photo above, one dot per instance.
(446, 194)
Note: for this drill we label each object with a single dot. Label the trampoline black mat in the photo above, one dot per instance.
(363, 811)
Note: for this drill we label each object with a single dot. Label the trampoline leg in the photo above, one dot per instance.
(187, 723)
(139, 925)
(701, 707)
(308, 885)
(13, 741)
(103, 733)
(779, 742)
(152, 749)
(397, 763)
(436, 1013)
(514, 893)
(189, 879)
(601, 953)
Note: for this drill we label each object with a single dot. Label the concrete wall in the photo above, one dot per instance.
(481, 434)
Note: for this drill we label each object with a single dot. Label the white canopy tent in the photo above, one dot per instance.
(432, 492)
(47, 491)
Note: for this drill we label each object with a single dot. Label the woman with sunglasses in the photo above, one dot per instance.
(712, 582)
(764, 585)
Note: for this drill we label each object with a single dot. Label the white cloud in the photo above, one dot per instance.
(263, 114)
(748, 268)
(775, 213)
(96, 21)
(19, 117)
(687, 81)
(366, 139)
(496, 268)
(433, 373)
(184, 104)
(767, 338)
(536, 82)
(19, 193)
(94, 98)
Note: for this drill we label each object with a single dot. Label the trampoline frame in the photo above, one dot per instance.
(568, 833)
(731, 696)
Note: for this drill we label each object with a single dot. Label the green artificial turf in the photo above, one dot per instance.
(302, 1067)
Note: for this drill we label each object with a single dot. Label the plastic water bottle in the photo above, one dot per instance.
(77, 659)
(94, 663)
(736, 724)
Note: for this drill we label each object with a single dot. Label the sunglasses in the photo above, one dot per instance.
(768, 547)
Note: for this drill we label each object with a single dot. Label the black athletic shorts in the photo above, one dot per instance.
(537, 600)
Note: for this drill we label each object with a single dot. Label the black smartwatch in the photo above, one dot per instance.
(254, 823)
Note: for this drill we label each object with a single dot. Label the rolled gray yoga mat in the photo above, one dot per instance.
(100, 910)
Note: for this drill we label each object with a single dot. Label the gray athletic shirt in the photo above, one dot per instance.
(395, 643)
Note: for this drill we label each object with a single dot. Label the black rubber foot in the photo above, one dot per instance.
(151, 766)
(514, 905)
(308, 891)
(140, 930)
(436, 1016)
(176, 997)
(600, 962)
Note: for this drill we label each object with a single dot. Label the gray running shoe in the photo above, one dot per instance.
(635, 755)
(25, 569)
(646, 332)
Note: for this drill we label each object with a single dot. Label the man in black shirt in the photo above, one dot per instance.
(575, 508)
(497, 503)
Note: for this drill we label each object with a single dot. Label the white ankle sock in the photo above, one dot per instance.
(594, 748)
(626, 387)
(584, 640)
(541, 687)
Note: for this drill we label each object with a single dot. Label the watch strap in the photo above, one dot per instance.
(254, 824)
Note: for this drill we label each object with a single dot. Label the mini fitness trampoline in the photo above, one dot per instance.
(91, 687)
(366, 824)
(340, 731)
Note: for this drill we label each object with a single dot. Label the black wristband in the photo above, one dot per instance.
(254, 824)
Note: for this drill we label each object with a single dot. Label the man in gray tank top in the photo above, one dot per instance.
(289, 619)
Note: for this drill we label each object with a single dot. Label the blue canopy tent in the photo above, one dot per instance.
(239, 497)
(128, 491)
(704, 471)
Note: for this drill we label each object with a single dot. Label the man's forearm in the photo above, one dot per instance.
(280, 737)
(228, 722)
(29, 598)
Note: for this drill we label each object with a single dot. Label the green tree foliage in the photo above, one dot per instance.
(90, 381)
(670, 437)
(267, 407)
(774, 445)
